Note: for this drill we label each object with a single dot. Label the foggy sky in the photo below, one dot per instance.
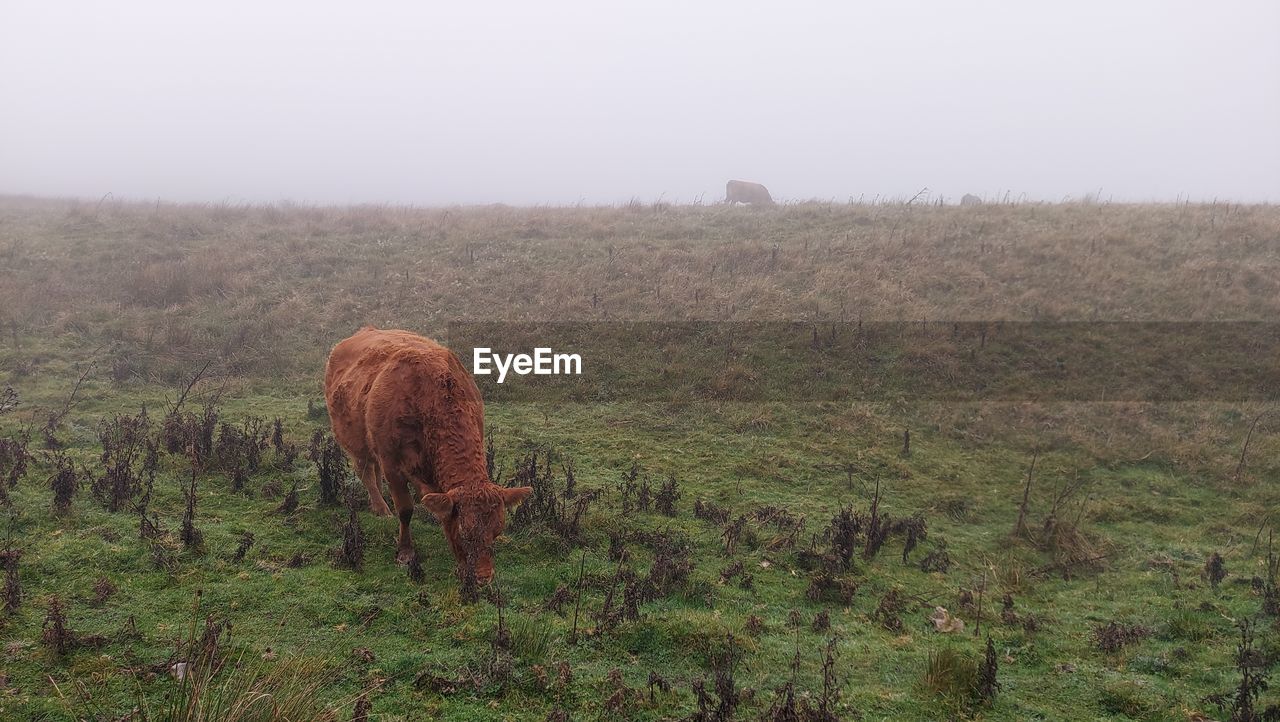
(559, 102)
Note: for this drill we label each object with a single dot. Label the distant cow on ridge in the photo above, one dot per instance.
(405, 408)
(736, 191)
(970, 199)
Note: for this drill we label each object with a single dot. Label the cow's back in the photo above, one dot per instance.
(394, 395)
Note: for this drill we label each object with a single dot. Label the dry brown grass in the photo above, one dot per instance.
(285, 266)
(266, 289)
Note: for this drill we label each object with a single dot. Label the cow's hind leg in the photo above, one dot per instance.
(368, 473)
(404, 511)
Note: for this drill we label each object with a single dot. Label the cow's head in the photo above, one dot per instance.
(472, 517)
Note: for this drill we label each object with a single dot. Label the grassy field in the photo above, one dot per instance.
(711, 558)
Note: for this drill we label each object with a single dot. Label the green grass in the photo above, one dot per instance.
(1159, 497)
(325, 612)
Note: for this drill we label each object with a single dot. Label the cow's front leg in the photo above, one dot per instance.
(404, 511)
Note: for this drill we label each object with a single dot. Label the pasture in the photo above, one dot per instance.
(173, 508)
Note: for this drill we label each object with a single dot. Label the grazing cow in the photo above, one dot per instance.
(405, 408)
(970, 199)
(736, 191)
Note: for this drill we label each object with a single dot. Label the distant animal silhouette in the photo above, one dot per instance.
(970, 199)
(405, 408)
(736, 191)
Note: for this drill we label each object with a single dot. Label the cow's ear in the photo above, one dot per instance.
(439, 504)
(512, 496)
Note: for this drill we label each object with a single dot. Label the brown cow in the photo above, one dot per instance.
(736, 191)
(404, 408)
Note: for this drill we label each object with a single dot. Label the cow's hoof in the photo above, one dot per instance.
(383, 510)
(404, 556)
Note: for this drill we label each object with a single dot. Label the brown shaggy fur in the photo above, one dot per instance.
(405, 409)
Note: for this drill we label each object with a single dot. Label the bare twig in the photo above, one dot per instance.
(55, 419)
(919, 193)
(1020, 529)
(1245, 448)
(190, 385)
(577, 607)
(982, 588)
(1257, 537)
